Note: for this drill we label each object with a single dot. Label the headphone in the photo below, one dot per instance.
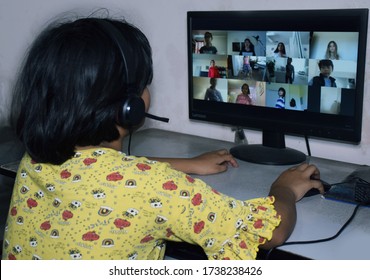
(131, 111)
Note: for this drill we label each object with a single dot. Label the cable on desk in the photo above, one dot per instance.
(319, 240)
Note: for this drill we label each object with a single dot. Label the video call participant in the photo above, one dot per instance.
(247, 47)
(213, 94)
(332, 51)
(213, 70)
(244, 96)
(208, 47)
(280, 50)
(289, 71)
(280, 103)
(324, 79)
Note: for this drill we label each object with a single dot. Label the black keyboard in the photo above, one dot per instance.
(362, 191)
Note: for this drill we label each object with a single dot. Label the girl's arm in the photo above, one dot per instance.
(289, 188)
(204, 164)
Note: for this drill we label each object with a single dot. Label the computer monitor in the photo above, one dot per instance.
(306, 76)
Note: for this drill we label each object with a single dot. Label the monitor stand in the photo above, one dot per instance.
(271, 152)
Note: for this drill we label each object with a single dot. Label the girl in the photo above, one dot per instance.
(280, 103)
(280, 50)
(244, 96)
(82, 89)
(332, 51)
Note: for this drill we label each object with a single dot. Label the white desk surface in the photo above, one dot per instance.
(317, 217)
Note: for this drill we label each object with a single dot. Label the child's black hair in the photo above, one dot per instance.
(71, 84)
(326, 62)
(283, 90)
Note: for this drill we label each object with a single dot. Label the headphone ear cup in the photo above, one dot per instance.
(132, 111)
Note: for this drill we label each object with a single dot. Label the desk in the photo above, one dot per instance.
(317, 217)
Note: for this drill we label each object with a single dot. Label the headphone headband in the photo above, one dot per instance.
(121, 43)
(132, 110)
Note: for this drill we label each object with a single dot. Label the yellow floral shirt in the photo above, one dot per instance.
(102, 204)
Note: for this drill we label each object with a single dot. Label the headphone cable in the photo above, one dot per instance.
(129, 141)
(130, 129)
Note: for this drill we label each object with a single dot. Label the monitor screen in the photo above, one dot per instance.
(298, 72)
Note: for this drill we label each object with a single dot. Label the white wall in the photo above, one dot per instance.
(164, 22)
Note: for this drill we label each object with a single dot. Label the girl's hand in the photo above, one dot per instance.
(288, 188)
(299, 179)
(212, 162)
(204, 164)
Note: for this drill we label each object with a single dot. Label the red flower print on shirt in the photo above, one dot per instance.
(90, 236)
(198, 226)
(169, 232)
(215, 191)
(190, 179)
(115, 176)
(11, 257)
(147, 239)
(121, 223)
(258, 224)
(143, 166)
(13, 211)
(197, 199)
(243, 245)
(262, 208)
(67, 215)
(45, 225)
(170, 186)
(65, 174)
(31, 203)
(89, 161)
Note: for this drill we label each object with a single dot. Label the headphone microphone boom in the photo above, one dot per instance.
(153, 117)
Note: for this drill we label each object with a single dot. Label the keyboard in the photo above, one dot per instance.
(354, 189)
(362, 192)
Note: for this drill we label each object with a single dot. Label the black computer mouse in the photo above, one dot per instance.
(314, 191)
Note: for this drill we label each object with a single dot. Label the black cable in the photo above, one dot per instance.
(153, 117)
(129, 142)
(318, 240)
(307, 146)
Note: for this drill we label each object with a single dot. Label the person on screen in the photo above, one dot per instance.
(324, 79)
(332, 51)
(280, 50)
(244, 96)
(213, 94)
(292, 103)
(213, 70)
(246, 70)
(289, 71)
(247, 47)
(78, 196)
(208, 47)
(280, 103)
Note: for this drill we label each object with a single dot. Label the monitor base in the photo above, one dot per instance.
(267, 155)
